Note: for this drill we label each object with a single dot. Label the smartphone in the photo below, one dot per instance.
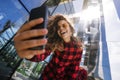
(39, 12)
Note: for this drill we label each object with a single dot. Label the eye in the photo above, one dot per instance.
(64, 25)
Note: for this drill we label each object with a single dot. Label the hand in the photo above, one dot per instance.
(22, 39)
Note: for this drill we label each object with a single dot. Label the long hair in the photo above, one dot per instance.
(54, 40)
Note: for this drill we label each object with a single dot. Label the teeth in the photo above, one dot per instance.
(63, 32)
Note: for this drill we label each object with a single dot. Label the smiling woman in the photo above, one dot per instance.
(67, 51)
(18, 14)
(60, 40)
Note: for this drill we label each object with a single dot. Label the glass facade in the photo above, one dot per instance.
(95, 33)
(117, 5)
(11, 66)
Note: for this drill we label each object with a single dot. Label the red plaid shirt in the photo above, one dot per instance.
(64, 65)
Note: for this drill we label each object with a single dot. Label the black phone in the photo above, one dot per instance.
(35, 13)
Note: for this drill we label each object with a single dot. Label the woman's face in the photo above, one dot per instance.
(64, 30)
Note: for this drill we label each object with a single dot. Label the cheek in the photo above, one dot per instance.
(69, 31)
(58, 32)
(70, 34)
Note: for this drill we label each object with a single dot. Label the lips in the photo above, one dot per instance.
(62, 33)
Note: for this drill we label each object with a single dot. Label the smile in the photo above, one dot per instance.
(62, 33)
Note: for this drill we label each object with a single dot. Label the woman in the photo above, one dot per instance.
(67, 49)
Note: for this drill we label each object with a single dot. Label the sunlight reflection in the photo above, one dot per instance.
(92, 12)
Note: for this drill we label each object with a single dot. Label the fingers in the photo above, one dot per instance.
(29, 34)
(28, 54)
(22, 40)
(31, 24)
(23, 45)
(23, 48)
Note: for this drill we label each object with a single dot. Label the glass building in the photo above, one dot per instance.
(96, 23)
(13, 14)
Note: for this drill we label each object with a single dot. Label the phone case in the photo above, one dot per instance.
(39, 12)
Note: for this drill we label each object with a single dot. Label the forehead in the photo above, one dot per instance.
(62, 22)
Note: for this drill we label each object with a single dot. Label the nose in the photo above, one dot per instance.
(61, 27)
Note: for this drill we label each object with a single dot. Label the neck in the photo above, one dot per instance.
(67, 40)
